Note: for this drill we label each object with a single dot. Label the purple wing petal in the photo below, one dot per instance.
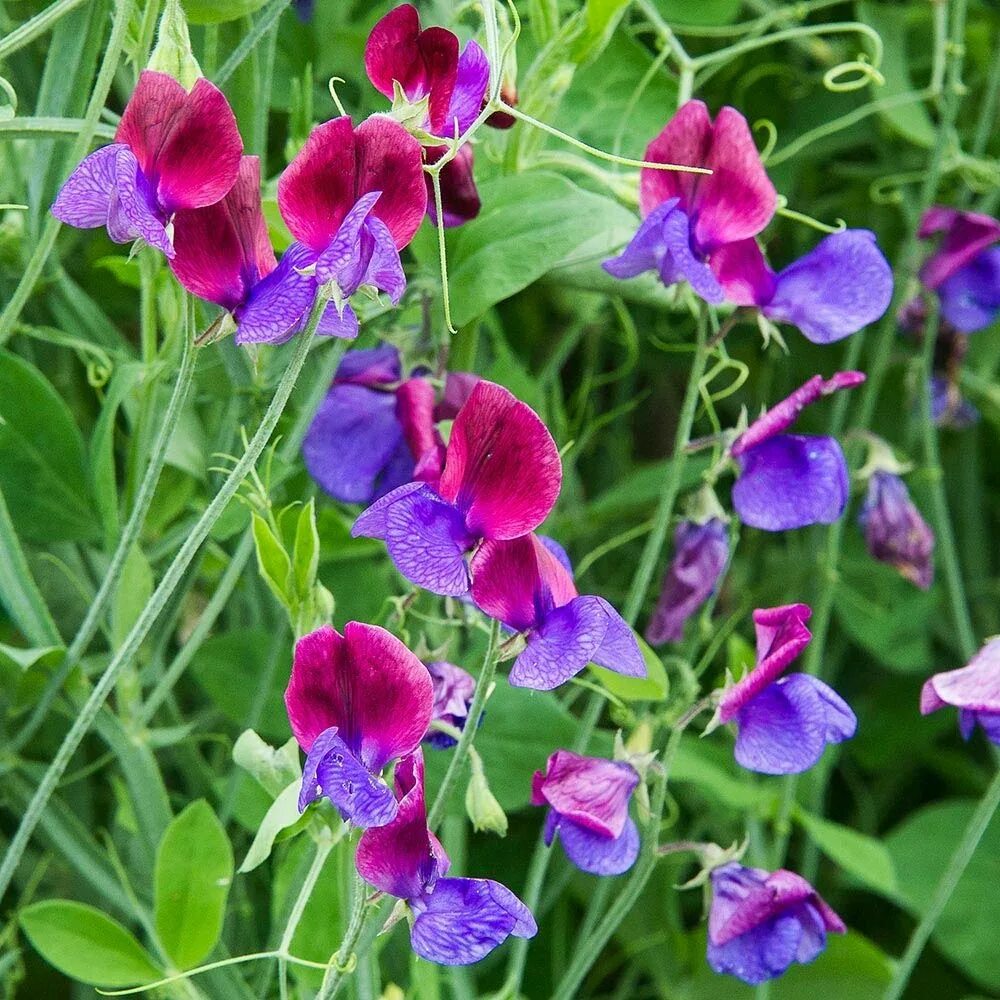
(684, 264)
(277, 304)
(384, 270)
(619, 650)
(334, 322)
(597, 854)
(371, 366)
(136, 203)
(471, 81)
(85, 199)
(760, 954)
(647, 249)
(373, 522)
(339, 262)
(970, 298)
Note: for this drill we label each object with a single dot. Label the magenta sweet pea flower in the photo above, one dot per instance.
(454, 689)
(355, 702)
(524, 585)
(791, 480)
(701, 552)
(457, 921)
(783, 723)
(895, 531)
(974, 690)
(840, 286)
(500, 478)
(689, 218)
(965, 268)
(588, 800)
(173, 150)
(761, 922)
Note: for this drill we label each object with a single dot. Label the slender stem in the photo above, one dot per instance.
(268, 18)
(323, 849)
(25, 33)
(49, 128)
(483, 685)
(158, 601)
(341, 963)
(88, 128)
(949, 881)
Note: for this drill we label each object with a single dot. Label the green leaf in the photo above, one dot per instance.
(653, 687)
(864, 857)
(25, 659)
(86, 945)
(600, 18)
(272, 560)
(693, 764)
(271, 768)
(219, 11)
(44, 472)
(284, 813)
(133, 593)
(194, 868)
(305, 554)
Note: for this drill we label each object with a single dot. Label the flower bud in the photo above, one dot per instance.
(895, 531)
(481, 805)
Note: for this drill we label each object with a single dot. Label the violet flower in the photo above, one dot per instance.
(500, 478)
(688, 218)
(524, 585)
(701, 552)
(974, 690)
(588, 799)
(783, 725)
(454, 689)
(173, 150)
(456, 921)
(895, 531)
(355, 702)
(761, 922)
(948, 407)
(791, 480)
(427, 65)
(965, 268)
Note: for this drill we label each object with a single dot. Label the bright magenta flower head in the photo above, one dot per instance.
(173, 150)
(974, 690)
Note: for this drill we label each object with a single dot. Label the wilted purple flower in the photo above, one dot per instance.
(791, 480)
(453, 692)
(701, 552)
(355, 702)
(974, 690)
(783, 723)
(457, 921)
(894, 530)
(524, 585)
(761, 922)
(588, 799)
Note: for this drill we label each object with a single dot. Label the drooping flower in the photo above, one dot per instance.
(783, 723)
(895, 531)
(840, 286)
(428, 66)
(173, 150)
(522, 584)
(791, 480)
(965, 268)
(588, 800)
(974, 690)
(456, 921)
(761, 922)
(948, 407)
(355, 702)
(701, 551)
(689, 218)
(500, 478)
(453, 692)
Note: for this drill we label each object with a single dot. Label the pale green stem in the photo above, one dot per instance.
(267, 19)
(342, 961)
(50, 128)
(323, 849)
(25, 33)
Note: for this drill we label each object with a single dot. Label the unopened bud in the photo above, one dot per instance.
(481, 805)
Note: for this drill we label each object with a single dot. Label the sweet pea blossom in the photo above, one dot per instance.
(373, 428)
(974, 690)
(791, 480)
(895, 531)
(783, 723)
(948, 407)
(355, 702)
(454, 689)
(689, 218)
(524, 585)
(500, 478)
(761, 922)
(173, 150)
(588, 800)
(701, 551)
(965, 268)
(456, 921)
(428, 66)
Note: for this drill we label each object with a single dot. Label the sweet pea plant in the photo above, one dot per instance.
(517, 471)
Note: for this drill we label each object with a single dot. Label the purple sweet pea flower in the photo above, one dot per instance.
(453, 692)
(974, 690)
(761, 922)
(173, 150)
(355, 702)
(895, 532)
(525, 586)
(689, 218)
(588, 799)
(457, 921)
(948, 407)
(791, 480)
(783, 725)
(701, 552)
(500, 478)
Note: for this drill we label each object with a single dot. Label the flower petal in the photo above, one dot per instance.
(683, 263)
(966, 234)
(685, 140)
(970, 298)
(743, 273)
(371, 366)
(471, 80)
(975, 687)
(134, 204)
(85, 199)
(646, 250)
(600, 855)
(459, 195)
(279, 302)
(619, 649)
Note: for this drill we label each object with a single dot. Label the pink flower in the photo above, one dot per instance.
(974, 690)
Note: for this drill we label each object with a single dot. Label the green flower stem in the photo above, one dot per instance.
(268, 18)
(88, 129)
(50, 128)
(483, 685)
(343, 959)
(949, 880)
(26, 33)
(160, 598)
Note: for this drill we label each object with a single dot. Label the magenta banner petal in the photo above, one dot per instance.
(391, 52)
(153, 111)
(743, 273)
(686, 140)
(85, 199)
